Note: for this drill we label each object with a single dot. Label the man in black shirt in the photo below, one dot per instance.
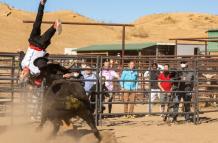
(186, 84)
(155, 91)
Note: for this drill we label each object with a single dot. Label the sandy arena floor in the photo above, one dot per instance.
(144, 129)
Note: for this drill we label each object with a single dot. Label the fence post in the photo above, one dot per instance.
(149, 92)
(197, 94)
(12, 89)
(196, 101)
(100, 93)
(97, 90)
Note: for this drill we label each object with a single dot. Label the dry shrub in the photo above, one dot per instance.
(139, 32)
(5, 9)
(168, 20)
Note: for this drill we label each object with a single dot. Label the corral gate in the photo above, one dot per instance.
(203, 67)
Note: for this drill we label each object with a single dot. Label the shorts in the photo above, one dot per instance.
(164, 97)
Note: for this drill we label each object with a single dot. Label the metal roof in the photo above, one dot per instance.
(116, 47)
(198, 39)
(212, 30)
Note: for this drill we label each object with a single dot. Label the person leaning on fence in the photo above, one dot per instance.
(75, 75)
(165, 86)
(89, 78)
(128, 84)
(94, 92)
(37, 44)
(147, 75)
(153, 74)
(109, 74)
(186, 84)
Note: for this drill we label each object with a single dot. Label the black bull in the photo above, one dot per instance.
(63, 100)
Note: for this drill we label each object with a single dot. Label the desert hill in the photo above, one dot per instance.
(14, 33)
(152, 28)
(161, 27)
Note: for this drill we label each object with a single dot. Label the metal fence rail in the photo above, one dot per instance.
(204, 91)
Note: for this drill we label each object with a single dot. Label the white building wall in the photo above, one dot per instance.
(70, 51)
(184, 49)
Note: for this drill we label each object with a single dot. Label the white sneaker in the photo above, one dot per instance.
(58, 26)
(42, 2)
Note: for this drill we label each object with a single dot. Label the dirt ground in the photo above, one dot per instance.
(145, 129)
(153, 130)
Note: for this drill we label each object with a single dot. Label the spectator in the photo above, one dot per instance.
(155, 91)
(75, 75)
(129, 86)
(93, 94)
(109, 75)
(147, 75)
(165, 87)
(112, 64)
(159, 68)
(186, 84)
(88, 75)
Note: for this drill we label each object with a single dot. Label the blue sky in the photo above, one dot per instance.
(122, 11)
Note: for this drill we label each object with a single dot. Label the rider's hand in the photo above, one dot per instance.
(25, 72)
(68, 75)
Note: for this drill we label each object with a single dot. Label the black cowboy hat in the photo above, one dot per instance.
(40, 62)
(76, 69)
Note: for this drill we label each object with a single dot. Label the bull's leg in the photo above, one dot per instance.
(56, 123)
(44, 112)
(56, 126)
(88, 117)
(67, 121)
(42, 122)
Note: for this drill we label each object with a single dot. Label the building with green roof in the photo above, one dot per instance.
(132, 49)
(212, 46)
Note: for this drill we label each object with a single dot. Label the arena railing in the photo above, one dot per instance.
(199, 65)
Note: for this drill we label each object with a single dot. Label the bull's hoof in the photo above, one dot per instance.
(164, 119)
(98, 136)
(75, 128)
(99, 139)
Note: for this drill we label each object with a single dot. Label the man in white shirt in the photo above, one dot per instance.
(38, 43)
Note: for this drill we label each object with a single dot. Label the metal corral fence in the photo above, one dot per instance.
(17, 100)
(203, 94)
